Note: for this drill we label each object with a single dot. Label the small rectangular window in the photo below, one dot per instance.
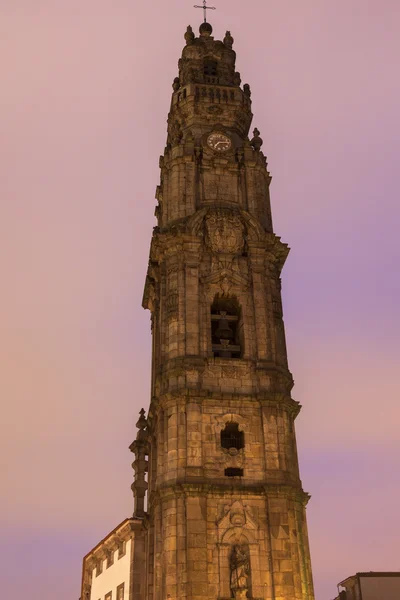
(99, 568)
(233, 472)
(108, 596)
(120, 591)
(122, 549)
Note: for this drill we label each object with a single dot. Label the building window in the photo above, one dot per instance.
(108, 596)
(233, 472)
(99, 568)
(110, 559)
(226, 328)
(120, 592)
(231, 437)
(122, 549)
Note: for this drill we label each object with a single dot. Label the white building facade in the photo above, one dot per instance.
(108, 572)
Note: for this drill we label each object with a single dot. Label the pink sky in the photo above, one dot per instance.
(85, 95)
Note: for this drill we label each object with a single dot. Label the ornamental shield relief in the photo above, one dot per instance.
(224, 231)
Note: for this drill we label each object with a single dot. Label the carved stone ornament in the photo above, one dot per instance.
(235, 372)
(175, 133)
(189, 36)
(227, 371)
(222, 420)
(237, 80)
(225, 286)
(172, 305)
(228, 40)
(150, 295)
(247, 90)
(233, 458)
(237, 524)
(224, 231)
(176, 84)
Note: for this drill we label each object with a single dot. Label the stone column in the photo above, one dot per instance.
(172, 437)
(181, 548)
(140, 448)
(192, 310)
(196, 507)
(259, 299)
(194, 448)
(158, 570)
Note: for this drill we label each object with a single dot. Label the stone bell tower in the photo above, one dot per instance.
(226, 509)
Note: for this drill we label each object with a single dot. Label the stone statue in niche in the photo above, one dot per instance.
(240, 571)
(224, 231)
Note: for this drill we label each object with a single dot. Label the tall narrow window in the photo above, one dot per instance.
(210, 68)
(110, 558)
(226, 327)
(120, 591)
(121, 549)
(231, 437)
(99, 568)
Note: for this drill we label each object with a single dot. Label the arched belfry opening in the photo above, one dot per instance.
(231, 437)
(210, 70)
(226, 327)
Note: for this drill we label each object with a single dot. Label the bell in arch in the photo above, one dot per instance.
(223, 332)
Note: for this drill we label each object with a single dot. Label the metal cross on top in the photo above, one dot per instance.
(205, 8)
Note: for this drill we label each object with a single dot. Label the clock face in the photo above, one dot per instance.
(219, 142)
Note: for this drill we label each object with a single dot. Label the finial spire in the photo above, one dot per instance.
(205, 8)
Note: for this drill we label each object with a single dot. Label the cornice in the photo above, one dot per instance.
(201, 396)
(196, 489)
(288, 492)
(277, 250)
(183, 240)
(122, 532)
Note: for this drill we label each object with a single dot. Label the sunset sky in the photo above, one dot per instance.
(85, 93)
